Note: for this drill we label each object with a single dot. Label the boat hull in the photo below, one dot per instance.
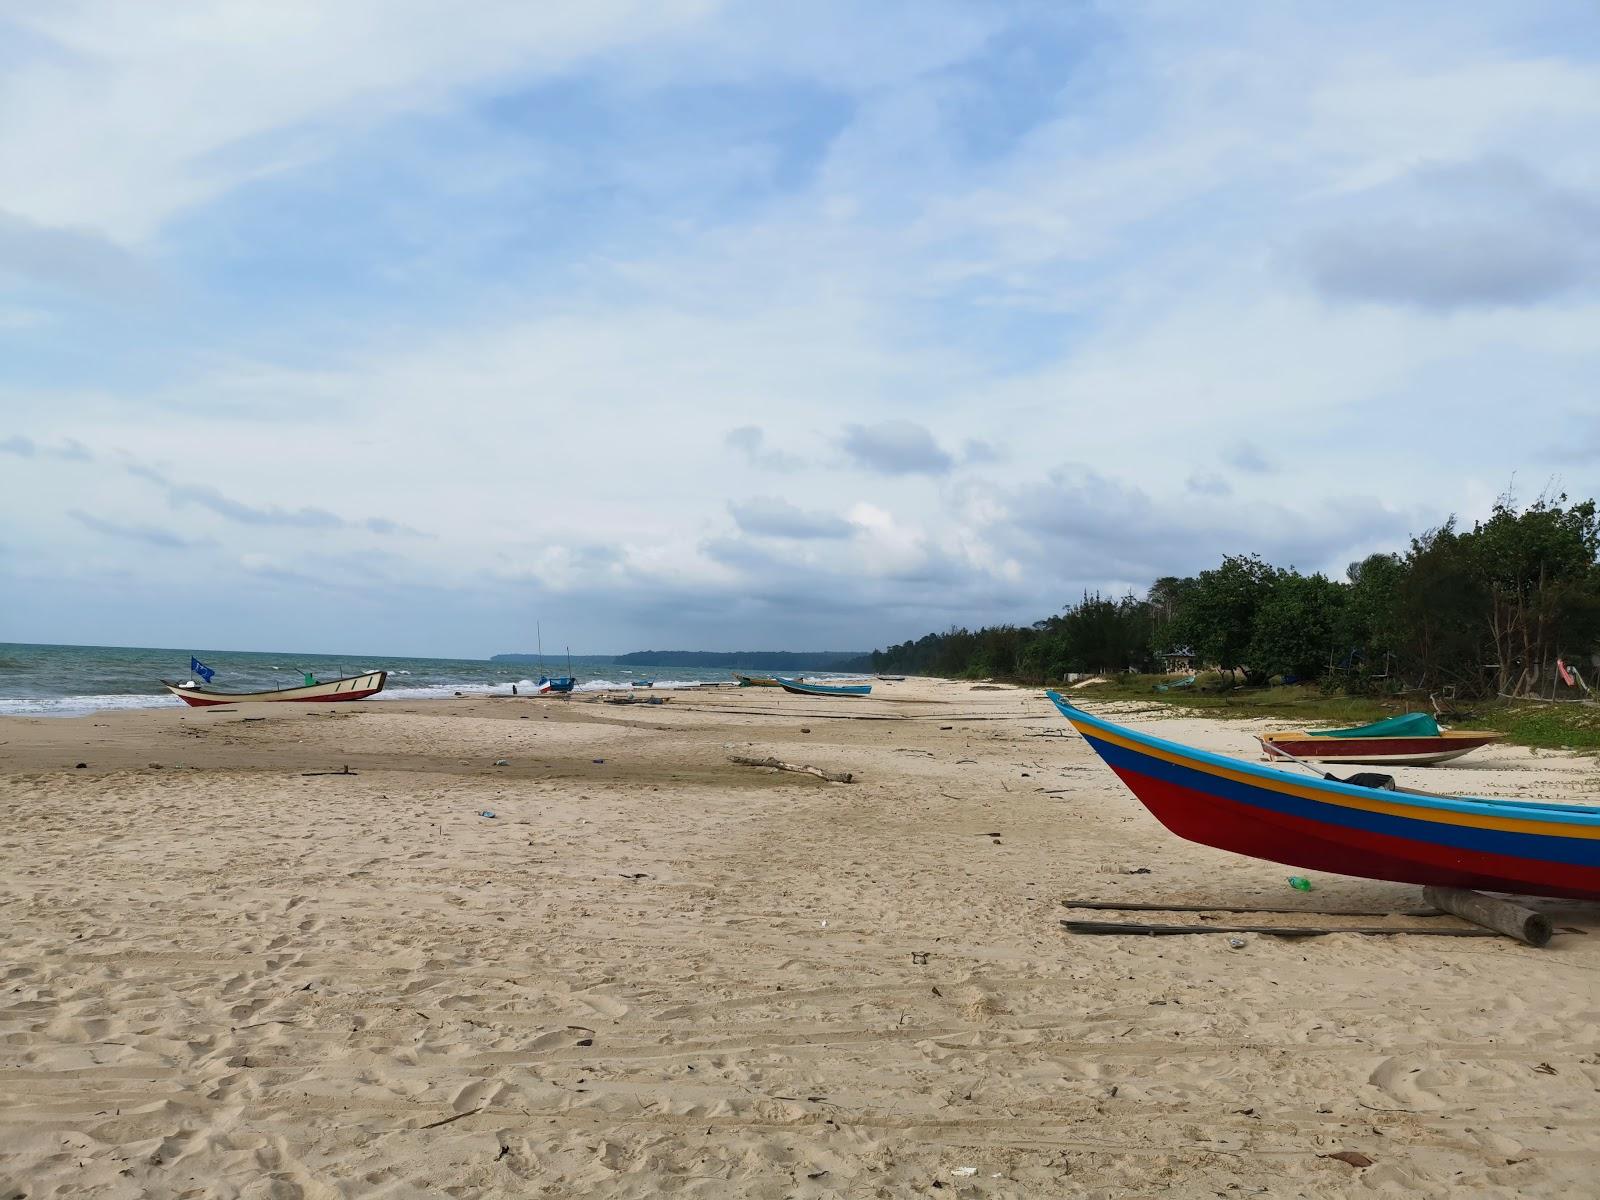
(1525, 848)
(1403, 751)
(333, 691)
(819, 689)
(756, 680)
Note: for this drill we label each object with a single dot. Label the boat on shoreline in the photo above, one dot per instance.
(351, 687)
(1527, 847)
(1413, 739)
(756, 680)
(822, 689)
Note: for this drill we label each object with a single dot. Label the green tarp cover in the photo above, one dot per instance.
(1408, 725)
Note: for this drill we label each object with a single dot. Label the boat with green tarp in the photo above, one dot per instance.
(1411, 739)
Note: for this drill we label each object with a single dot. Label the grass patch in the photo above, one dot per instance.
(1295, 702)
(1549, 726)
(1545, 726)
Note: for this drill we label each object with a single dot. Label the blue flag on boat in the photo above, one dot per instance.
(200, 669)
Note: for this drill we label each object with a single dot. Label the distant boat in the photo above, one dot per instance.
(892, 678)
(822, 689)
(1362, 826)
(756, 680)
(644, 683)
(1414, 739)
(559, 685)
(351, 687)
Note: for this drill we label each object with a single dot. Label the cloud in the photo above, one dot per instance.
(896, 448)
(768, 516)
(750, 441)
(1110, 529)
(182, 495)
(69, 449)
(148, 535)
(103, 131)
(1582, 441)
(73, 258)
(1244, 456)
(975, 452)
(1493, 232)
(1209, 485)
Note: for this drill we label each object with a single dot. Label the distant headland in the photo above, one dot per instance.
(767, 660)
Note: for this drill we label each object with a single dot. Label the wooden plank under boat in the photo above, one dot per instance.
(1527, 847)
(822, 689)
(1378, 751)
(351, 687)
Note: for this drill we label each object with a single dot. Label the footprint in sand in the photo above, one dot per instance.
(476, 1095)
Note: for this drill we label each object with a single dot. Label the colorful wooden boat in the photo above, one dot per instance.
(351, 687)
(561, 685)
(823, 689)
(1523, 846)
(1413, 739)
(756, 680)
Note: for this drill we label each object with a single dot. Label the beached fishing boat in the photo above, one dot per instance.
(756, 680)
(1413, 739)
(351, 687)
(822, 689)
(553, 685)
(1381, 832)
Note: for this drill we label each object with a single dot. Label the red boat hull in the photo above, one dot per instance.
(1530, 847)
(1319, 846)
(1416, 751)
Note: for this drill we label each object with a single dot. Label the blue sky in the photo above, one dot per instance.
(397, 328)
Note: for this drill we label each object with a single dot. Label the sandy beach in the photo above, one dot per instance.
(227, 972)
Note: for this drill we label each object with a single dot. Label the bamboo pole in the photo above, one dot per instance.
(1147, 929)
(831, 776)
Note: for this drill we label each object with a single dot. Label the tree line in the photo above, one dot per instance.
(1504, 607)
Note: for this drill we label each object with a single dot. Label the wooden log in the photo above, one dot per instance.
(1285, 931)
(779, 764)
(1529, 927)
(1139, 906)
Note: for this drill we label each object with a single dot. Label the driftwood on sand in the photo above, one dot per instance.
(745, 760)
(1502, 916)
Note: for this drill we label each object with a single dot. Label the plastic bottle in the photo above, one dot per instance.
(1300, 883)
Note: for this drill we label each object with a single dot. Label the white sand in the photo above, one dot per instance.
(667, 975)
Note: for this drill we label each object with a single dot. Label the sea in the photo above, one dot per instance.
(68, 681)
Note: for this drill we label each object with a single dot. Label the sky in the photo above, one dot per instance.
(400, 327)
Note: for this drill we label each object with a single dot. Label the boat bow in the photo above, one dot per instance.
(1333, 825)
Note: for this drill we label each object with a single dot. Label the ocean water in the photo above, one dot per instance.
(72, 680)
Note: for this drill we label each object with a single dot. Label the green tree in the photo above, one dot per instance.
(1217, 617)
(1298, 626)
(1538, 569)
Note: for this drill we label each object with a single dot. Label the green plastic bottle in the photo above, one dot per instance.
(1300, 883)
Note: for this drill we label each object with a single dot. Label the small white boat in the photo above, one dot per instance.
(351, 687)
